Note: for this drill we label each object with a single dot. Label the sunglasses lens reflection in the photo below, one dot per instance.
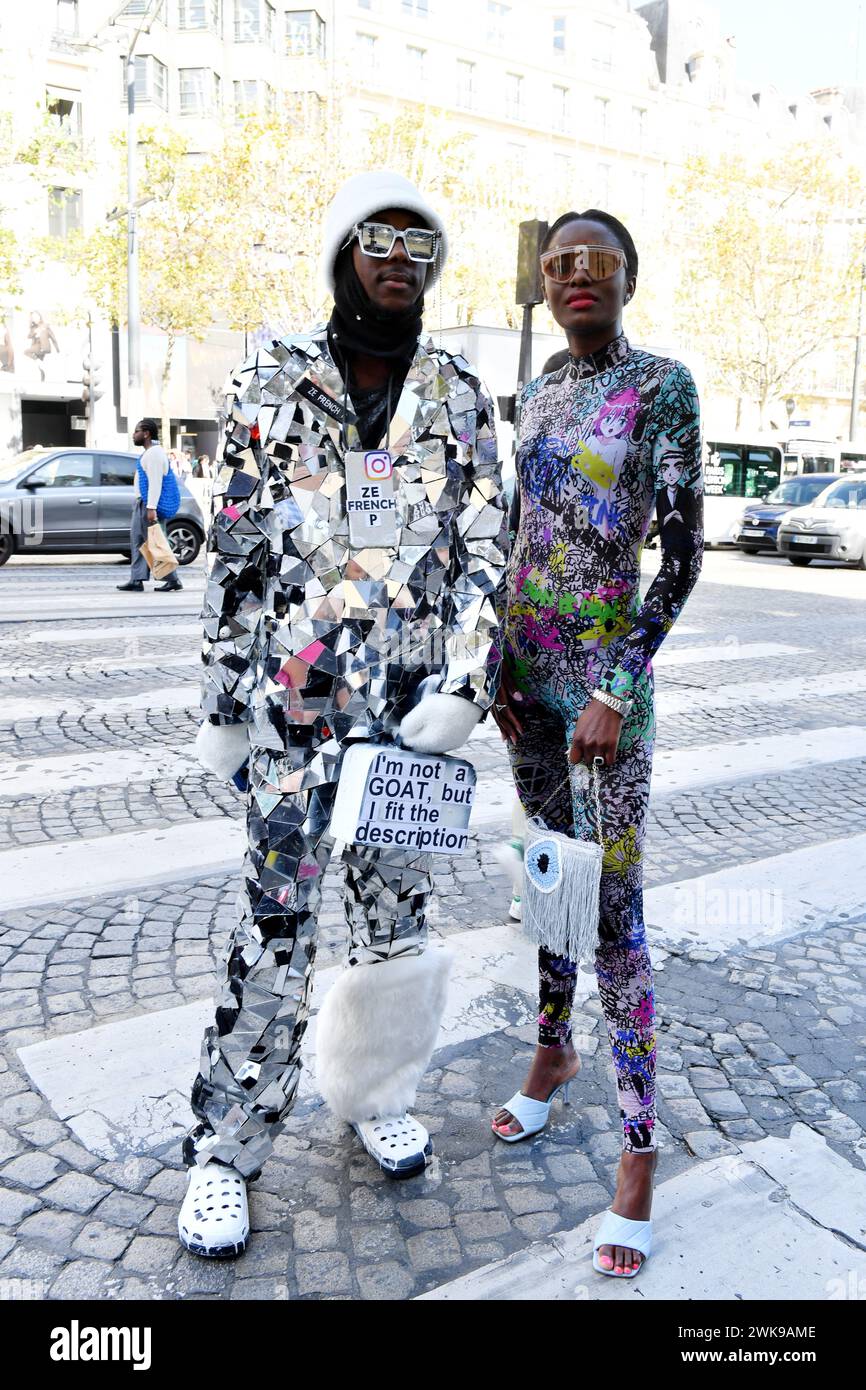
(599, 262)
(376, 238)
(420, 244)
(603, 263)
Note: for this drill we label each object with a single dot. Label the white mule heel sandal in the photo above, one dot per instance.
(214, 1218)
(400, 1145)
(629, 1235)
(532, 1114)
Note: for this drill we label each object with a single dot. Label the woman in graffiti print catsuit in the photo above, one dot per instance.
(601, 441)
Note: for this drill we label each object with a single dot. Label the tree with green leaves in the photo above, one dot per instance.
(768, 255)
(32, 146)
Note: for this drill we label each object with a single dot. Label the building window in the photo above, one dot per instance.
(366, 121)
(246, 95)
(513, 95)
(417, 61)
(199, 14)
(642, 194)
(305, 34)
(497, 18)
(368, 50)
(465, 83)
(559, 33)
(136, 7)
(66, 17)
(64, 211)
(602, 48)
(65, 110)
(151, 81)
(159, 83)
(603, 172)
(199, 91)
(250, 96)
(638, 125)
(561, 108)
(254, 21)
(600, 116)
(563, 174)
(419, 8)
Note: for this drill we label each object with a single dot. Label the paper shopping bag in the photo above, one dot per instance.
(158, 553)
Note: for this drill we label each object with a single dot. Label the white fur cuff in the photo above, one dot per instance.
(439, 723)
(223, 748)
(376, 1033)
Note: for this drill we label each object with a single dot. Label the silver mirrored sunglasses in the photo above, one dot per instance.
(378, 238)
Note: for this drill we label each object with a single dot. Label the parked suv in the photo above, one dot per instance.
(59, 501)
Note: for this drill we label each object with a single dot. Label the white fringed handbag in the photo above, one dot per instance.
(561, 881)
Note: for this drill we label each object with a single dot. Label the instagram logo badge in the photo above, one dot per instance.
(378, 465)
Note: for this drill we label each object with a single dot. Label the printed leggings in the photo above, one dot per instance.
(622, 962)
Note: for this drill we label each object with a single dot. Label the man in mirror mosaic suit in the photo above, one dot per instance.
(316, 637)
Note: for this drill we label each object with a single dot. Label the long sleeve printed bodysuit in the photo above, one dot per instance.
(602, 441)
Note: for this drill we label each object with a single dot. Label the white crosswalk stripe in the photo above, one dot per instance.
(766, 900)
(98, 867)
(61, 636)
(105, 768)
(765, 692)
(171, 697)
(724, 651)
(38, 607)
(99, 665)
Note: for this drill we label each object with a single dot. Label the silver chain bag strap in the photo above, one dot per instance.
(562, 878)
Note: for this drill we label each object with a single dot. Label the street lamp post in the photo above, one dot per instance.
(133, 323)
(853, 423)
(133, 319)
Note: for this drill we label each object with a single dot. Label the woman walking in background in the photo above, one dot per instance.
(601, 441)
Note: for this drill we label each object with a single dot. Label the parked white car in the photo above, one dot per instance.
(832, 526)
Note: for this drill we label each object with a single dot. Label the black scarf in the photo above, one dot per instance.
(356, 325)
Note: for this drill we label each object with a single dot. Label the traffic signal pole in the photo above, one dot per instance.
(89, 435)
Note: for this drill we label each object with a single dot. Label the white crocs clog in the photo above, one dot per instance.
(214, 1219)
(399, 1144)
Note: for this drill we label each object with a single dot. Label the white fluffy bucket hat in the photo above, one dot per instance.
(365, 194)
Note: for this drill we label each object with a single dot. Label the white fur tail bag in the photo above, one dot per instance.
(376, 1032)
(562, 879)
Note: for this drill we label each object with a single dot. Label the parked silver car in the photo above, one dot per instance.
(832, 525)
(64, 501)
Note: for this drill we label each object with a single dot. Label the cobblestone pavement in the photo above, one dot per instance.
(750, 1041)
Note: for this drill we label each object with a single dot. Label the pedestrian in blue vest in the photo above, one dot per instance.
(157, 499)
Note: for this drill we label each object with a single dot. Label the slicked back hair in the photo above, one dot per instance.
(613, 224)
